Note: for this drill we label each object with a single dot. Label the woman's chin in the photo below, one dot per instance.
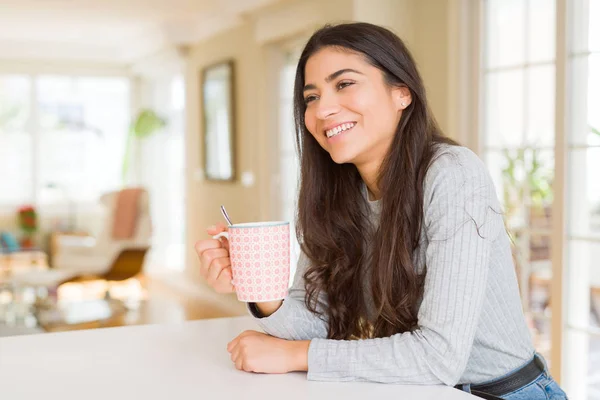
(342, 157)
(341, 160)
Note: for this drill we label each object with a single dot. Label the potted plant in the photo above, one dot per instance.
(27, 219)
(527, 190)
(146, 123)
(527, 182)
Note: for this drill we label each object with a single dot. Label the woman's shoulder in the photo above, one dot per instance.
(459, 183)
(455, 157)
(454, 167)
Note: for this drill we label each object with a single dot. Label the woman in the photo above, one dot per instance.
(403, 241)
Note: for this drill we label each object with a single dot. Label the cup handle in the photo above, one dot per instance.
(224, 234)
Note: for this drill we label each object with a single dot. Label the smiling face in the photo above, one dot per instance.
(350, 110)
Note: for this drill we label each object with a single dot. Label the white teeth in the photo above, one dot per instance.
(338, 129)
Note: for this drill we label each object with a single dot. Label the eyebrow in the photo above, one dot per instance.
(331, 77)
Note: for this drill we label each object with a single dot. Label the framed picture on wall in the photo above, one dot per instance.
(218, 121)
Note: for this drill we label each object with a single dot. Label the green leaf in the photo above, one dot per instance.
(146, 123)
(594, 130)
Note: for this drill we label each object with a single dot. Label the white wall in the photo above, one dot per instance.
(247, 45)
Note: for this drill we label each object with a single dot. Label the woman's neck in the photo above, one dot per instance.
(368, 173)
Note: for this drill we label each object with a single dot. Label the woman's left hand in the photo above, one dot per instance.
(254, 351)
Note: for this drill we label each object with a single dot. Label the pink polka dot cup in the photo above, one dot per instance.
(260, 260)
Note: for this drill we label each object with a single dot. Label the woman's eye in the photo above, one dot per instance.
(308, 99)
(343, 84)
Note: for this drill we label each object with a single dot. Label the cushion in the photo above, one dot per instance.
(8, 242)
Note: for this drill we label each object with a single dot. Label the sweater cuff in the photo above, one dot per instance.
(284, 323)
(276, 319)
(254, 311)
(317, 360)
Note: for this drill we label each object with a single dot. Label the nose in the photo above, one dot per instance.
(327, 107)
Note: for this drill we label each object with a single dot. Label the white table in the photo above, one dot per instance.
(183, 361)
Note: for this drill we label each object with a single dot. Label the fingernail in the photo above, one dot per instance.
(211, 228)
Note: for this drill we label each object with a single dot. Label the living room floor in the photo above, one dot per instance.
(149, 300)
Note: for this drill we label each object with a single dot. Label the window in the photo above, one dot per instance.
(61, 137)
(82, 129)
(518, 140)
(582, 185)
(520, 78)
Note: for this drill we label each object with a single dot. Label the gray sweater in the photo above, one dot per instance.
(471, 323)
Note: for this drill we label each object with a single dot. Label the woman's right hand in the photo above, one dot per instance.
(215, 264)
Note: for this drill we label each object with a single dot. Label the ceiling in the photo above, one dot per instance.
(112, 31)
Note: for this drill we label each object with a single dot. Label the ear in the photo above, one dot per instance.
(402, 97)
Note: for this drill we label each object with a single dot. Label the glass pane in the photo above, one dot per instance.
(496, 163)
(523, 179)
(84, 122)
(540, 104)
(503, 109)
(594, 26)
(581, 358)
(586, 29)
(528, 176)
(504, 32)
(541, 30)
(583, 283)
(583, 349)
(582, 313)
(593, 97)
(533, 267)
(579, 10)
(541, 270)
(15, 92)
(585, 105)
(583, 194)
(15, 140)
(538, 282)
(287, 134)
(593, 376)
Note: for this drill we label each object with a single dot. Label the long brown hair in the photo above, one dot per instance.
(332, 223)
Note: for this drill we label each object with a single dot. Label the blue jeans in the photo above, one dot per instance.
(544, 387)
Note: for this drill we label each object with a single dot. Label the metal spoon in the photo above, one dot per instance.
(224, 212)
